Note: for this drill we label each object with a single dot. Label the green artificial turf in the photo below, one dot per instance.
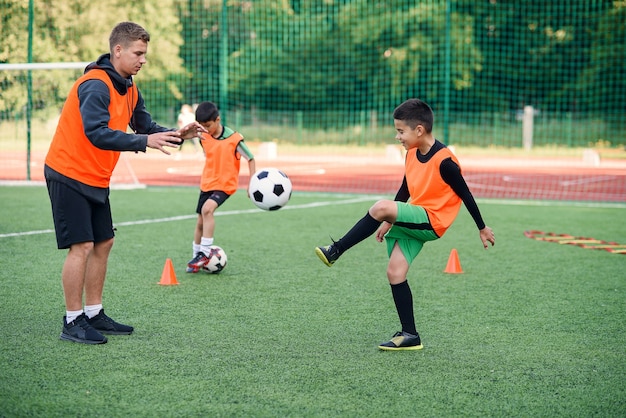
(529, 329)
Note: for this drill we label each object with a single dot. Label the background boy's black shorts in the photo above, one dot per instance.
(216, 195)
(77, 218)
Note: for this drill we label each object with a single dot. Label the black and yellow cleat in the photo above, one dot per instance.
(328, 254)
(402, 341)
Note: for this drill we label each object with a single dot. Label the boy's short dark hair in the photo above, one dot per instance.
(125, 33)
(415, 112)
(206, 112)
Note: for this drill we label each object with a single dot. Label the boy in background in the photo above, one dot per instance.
(425, 206)
(223, 148)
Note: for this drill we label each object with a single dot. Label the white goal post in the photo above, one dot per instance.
(44, 66)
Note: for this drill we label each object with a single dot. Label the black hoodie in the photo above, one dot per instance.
(94, 98)
(94, 108)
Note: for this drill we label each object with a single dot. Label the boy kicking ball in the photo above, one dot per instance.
(425, 206)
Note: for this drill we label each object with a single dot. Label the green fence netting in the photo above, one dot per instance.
(309, 73)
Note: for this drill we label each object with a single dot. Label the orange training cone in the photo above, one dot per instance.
(454, 265)
(168, 277)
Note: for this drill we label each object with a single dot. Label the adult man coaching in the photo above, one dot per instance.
(86, 146)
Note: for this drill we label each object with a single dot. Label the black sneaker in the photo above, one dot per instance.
(79, 331)
(106, 325)
(196, 263)
(402, 341)
(328, 254)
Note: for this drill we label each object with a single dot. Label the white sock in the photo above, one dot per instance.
(196, 248)
(92, 310)
(205, 243)
(72, 315)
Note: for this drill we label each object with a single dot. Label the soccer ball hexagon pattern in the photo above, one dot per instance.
(270, 189)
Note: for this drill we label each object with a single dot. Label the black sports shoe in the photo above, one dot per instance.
(79, 331)
(402, 341)
(106, 325)
(328, 254)
(196, 263)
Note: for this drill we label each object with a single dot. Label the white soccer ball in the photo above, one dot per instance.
(217, 260)
(270, 189)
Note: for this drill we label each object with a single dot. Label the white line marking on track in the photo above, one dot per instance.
(586, 181)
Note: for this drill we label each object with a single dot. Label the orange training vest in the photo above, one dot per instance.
(71, 153)
(428, 190)
(221, 165)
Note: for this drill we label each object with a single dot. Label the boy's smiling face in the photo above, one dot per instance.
(407, 136)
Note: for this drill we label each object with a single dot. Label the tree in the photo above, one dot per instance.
(533, 51)
(353, 55)
(200, 51)
(78, 31)
(607, 66)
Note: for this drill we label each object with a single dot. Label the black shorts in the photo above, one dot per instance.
(77, 218)
(216, 195)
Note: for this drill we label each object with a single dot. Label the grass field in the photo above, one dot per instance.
(529, 329)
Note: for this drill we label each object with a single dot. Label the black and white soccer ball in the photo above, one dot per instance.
(217, 260)
(270, 189)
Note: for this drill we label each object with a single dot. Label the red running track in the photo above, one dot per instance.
(547, 179)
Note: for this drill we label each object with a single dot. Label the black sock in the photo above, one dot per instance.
(403, 299)
(365, 227)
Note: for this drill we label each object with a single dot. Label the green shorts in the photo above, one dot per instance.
(411, 230)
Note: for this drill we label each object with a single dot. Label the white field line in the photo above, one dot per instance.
(253, 211)
(364, 198)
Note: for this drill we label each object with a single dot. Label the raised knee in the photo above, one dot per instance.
(382, 210)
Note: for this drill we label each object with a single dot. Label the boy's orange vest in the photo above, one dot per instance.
(428, 190)
(221, 166)
(71, 153)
